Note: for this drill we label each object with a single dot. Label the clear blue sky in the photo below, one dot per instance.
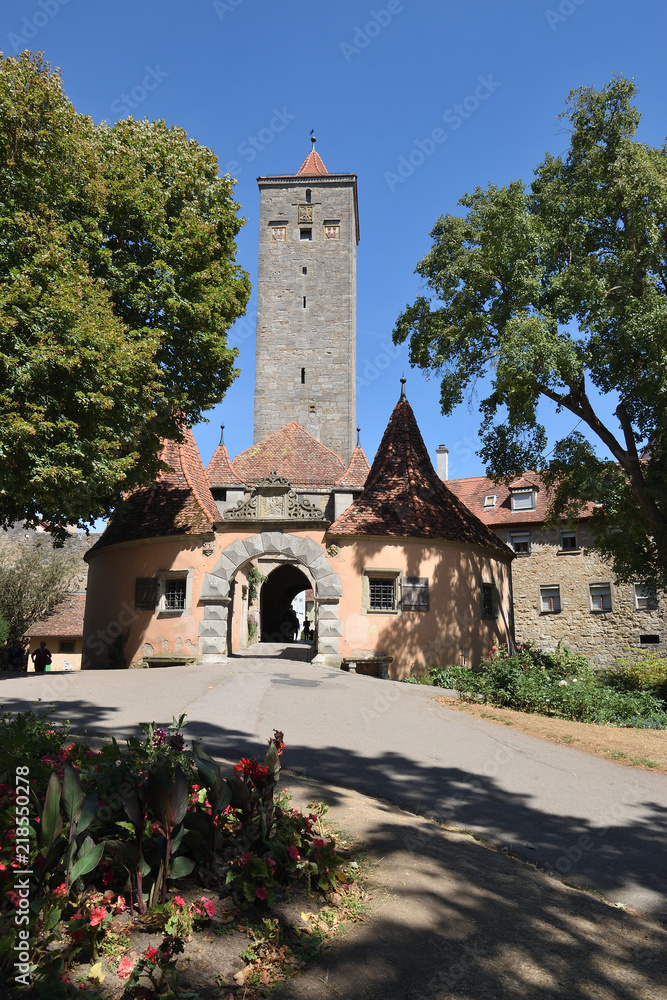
(250, 78)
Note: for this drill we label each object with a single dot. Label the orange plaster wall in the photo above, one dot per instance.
(417, 639)
(110, 599)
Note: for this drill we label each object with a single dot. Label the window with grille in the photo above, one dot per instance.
(381, 593)
(550, 598)
(601, 597)
(175, 593)
(521, 542)
(568, 541)
(645, 597)
(489, 603)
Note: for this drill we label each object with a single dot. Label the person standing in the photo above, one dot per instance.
(41, 657)
(16, 658)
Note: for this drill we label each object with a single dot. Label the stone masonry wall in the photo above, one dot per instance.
(320, 338)
(601, 635)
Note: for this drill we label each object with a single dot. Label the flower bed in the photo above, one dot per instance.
(96, 845)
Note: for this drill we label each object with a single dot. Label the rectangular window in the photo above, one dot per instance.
(303, 376)
(306, 234)
(649, 640)
(66, 646)
(568, 541)
(489, 601)
(523, 501)
(601, 597)
(146, 592)
(490, 500)
(549, 599)
(175, 593)
(521, 542)
(645, 598)
(414, 593)
(304, 270)
(304, 302)
(381, 593)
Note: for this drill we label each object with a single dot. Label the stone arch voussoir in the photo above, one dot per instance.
(326, 585)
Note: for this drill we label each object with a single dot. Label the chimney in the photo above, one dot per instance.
(442, 460)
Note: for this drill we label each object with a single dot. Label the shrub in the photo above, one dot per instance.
(643, 671)
(561, 684)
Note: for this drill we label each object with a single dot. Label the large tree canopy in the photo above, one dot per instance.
(549, 292)
(117, 286)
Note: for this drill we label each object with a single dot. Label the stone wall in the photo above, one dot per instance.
(306, 355)
(601, 635)
(75, 546)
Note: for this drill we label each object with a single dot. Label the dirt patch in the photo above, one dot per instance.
(645, 748)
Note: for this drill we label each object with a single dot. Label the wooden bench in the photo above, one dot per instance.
(371, 666)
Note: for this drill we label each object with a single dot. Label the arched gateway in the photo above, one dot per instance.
(303, 552)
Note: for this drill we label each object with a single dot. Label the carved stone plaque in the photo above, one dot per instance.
(273, 499)
(305, 213)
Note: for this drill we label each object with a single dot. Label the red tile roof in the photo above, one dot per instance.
(404, 497)
(473, 490)
(219, 469)
(312, 165)
(65, 619)
(179, 502)
(357, 471)
(294, 454)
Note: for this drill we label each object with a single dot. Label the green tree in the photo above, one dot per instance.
(117, 286)
(559, 292)
(33, 582)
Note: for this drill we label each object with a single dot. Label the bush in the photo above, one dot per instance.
(643, 671)
(560, 684)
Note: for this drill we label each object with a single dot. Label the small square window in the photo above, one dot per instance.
(521, 542)
(525, 500)
(305, 234)
(490, 500)
(489, 601)
(645, 597)
(549, 599)
(175, 592)
(600, 597)
(568, 541)
(382, 593)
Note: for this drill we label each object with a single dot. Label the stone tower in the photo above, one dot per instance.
(306, 305)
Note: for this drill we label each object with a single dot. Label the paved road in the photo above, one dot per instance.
(601, 823)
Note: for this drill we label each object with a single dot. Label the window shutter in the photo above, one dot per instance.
(414, 593)
(145, 593)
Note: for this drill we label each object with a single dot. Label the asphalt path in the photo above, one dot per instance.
(599, 823)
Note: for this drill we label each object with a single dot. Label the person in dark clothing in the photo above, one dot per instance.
(41, 657)
(16, 658)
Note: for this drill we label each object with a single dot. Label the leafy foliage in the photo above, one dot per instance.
(33, 582)
(559, 292)
(560, 684)
(117, 286)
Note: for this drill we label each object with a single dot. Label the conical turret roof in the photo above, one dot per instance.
(179, 502)
(404, 497)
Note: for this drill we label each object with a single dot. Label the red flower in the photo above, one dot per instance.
(179, 901)
(294, 853)
(208, 905)
(152, 954)
(61, 890)
(97, 916)
(125, 967)
(120, 904)
(261, 892)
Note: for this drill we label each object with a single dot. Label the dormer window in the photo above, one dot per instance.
(490, 500)
(523, 500)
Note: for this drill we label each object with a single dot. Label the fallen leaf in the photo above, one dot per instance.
(264, 978)
(95, 973)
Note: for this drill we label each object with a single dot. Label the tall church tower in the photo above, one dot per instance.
(306, 305)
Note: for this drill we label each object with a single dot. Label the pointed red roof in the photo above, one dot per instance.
(357, 471)
(65, 619)
(312, 165)
(219, 469)
(294, 454)
(179, 502)
(404, 497)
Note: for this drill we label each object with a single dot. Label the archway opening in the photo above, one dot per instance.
(279, 622)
